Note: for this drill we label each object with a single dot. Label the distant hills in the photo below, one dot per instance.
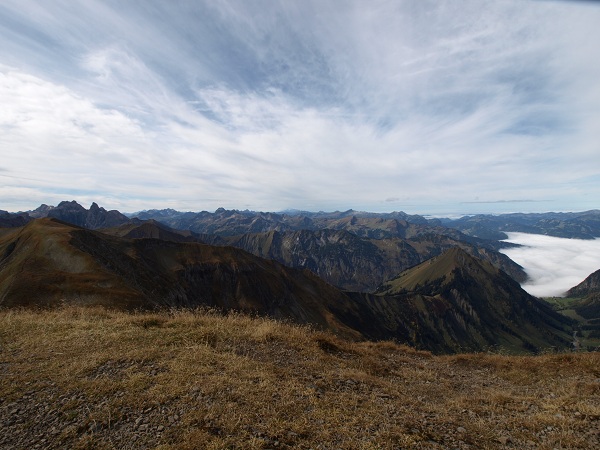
(579, 225)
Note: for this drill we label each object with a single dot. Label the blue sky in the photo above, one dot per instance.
(430, 107)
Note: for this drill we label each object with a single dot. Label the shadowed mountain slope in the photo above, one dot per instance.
(13, 219)
(351, 262)
(49, 262)
(591, 285)
(151, 229)
(589, 293)
(469, 301)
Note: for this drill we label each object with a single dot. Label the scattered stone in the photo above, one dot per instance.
(461, 430)
(504, 440)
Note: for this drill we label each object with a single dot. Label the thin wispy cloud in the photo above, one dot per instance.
(310, 105)
(554, 265)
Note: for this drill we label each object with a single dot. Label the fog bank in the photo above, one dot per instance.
(554, 265)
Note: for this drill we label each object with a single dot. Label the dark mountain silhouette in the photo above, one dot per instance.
(75, 214)
(48, 263)
(96, 217)
(9, 220)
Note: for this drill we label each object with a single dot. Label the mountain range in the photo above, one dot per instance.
(581, 225)
(352, 250)
(394, 276)
(49, 262)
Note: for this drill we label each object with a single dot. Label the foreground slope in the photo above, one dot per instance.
(477, 305)
(93, 378)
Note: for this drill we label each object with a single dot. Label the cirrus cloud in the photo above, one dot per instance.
(315, 105)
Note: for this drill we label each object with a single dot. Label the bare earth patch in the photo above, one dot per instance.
(93, 378)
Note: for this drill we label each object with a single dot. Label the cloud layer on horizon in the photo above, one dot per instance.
(554, 265)
(311, 105)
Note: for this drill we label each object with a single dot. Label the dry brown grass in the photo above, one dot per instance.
(94, 378)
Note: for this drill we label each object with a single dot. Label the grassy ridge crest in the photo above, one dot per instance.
(77, 377)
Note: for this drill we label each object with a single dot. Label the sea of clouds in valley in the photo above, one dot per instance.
(554, 265)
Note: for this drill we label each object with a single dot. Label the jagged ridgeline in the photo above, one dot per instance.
(352, 250)
(49, 262)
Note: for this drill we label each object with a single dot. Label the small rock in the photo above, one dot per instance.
(160, 428)
(461, 430)
(504, 440)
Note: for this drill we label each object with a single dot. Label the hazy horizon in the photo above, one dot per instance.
(451, 214)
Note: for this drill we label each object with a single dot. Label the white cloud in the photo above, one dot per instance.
(554, 265)
(305, 105)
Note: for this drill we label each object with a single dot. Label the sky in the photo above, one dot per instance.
(435, 107)
(554, 265)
